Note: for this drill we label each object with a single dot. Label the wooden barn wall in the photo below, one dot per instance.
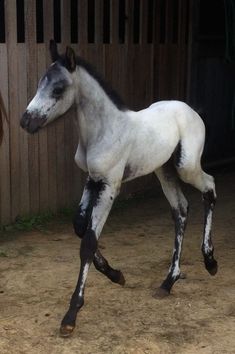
(212, 89)
(139, 46)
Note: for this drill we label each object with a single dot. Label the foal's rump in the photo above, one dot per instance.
(190, 146)
(191, 131)
(159, 131)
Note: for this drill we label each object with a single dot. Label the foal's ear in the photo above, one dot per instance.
(53, 50)
(70, 59)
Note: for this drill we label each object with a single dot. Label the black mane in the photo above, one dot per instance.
(112, 94)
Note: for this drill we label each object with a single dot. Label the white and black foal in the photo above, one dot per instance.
(117, 145)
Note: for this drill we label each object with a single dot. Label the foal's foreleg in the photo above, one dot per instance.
(103, 195)
(81, 221)
(179, 205)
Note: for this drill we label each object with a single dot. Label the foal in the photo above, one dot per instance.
(117, 145)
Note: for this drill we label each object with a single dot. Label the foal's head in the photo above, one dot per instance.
(55, 93)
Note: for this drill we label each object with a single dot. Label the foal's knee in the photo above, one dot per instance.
(80, 224)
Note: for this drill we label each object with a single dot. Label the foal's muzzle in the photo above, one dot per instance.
(32, 123)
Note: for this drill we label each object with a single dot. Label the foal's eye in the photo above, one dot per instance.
(58, 91)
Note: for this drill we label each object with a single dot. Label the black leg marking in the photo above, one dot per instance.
(179, 217)
(171, 187)
(209, 201)
(87, 251)
(99, 194)
(80, 222)
(90, 198)
(102, 266)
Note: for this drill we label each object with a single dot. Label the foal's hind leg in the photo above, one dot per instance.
(205, 183)
(81, 221)
(179, 205)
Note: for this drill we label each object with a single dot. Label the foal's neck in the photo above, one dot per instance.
(96, 111)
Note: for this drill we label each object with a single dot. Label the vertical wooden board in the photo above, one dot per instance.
(94, 54)
(99, 21)
(23, 135)
(156, 50)
(30, 36)
(141, 83)
(117, 65)
(168, 19)
(189, 48)
(182, 51)
(171, 74)
(156, 72)
(43, 148)
(10, 20)
(156, 21)
(114, 22)
(51, 130)
(163, 72)
(82, 22)
(5, 175)
(143, 21)
(129, 21)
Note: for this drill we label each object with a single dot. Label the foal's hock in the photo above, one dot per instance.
(117, 145)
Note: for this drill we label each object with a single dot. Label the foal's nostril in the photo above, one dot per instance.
(25, 119)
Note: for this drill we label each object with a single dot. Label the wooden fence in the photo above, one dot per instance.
(140, 46)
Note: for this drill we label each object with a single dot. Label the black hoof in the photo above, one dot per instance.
(66, 330)
(116, 277)
(161, 293)
(122, 280)
(211, 266)
(69, 322)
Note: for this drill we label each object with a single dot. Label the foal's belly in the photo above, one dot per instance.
(150, 152)
(145, 163)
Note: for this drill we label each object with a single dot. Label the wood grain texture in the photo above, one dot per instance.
(38, 172)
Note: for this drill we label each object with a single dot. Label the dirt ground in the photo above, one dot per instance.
(38, 271)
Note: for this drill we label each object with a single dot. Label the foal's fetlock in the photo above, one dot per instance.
(69, 321)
